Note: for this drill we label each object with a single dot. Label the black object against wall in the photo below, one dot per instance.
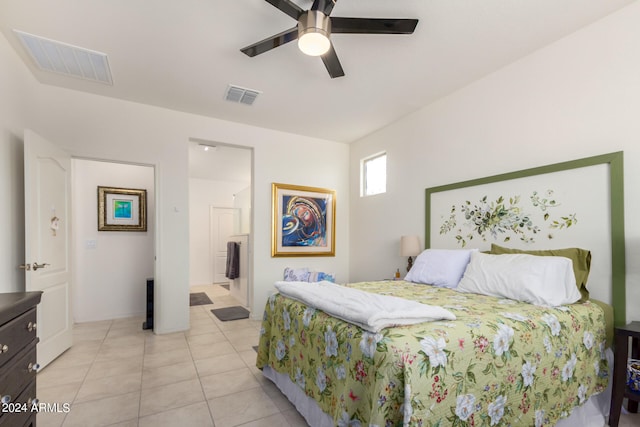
(148, 324)
(233, 260)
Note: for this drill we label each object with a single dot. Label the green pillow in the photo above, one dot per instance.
(581, 259)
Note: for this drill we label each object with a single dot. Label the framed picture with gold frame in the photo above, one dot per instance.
(303, 221)
(122, 209)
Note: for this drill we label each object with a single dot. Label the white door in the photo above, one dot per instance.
(224, 223)
(47, 186)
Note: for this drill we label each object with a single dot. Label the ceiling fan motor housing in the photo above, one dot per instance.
(314, 25)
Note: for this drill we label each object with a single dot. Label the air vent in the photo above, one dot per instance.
(62, 58)
(241, 95)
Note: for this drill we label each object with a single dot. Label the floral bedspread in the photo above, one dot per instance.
(501, 362)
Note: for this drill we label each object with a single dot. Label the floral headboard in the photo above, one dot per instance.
(578, 203)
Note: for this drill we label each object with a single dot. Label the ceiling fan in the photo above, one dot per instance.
(315, 27)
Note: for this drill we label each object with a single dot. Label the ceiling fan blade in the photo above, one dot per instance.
(271, 42)
(324, 6)
(288, 7)
(372, 26)
(332, 63)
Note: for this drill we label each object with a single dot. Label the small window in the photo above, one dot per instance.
(374, 175)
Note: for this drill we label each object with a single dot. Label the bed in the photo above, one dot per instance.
(502, 361)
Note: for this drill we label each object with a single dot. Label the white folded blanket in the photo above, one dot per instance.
(367, 310)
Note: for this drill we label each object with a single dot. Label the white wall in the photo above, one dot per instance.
(242, 201)
(576, 98)
(328, 168)
(15, 89)
(204, 194)
(110, 268)
(90, 126)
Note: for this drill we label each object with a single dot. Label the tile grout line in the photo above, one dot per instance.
(158, 386)
(144, 353)
(93, 361)
(199, 380)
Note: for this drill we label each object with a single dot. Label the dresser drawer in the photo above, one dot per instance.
(16, 334)
(15, 375)
(21, 411)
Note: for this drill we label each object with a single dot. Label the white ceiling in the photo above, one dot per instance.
(182, 54)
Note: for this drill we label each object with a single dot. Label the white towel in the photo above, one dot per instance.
(367, 310)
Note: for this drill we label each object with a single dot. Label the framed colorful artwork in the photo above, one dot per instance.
(122, 209)
(303, 222)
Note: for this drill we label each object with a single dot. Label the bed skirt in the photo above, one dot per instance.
(593, 413)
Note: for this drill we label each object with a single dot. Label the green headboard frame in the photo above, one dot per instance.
(616, 203)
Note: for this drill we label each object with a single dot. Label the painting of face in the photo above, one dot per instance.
(303, 221)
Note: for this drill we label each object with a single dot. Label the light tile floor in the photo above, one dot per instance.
(628, 420)
(117, 374)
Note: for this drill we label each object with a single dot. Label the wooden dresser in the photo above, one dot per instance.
(18, 364)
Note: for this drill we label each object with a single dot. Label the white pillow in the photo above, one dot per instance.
(534, 279)
(440, 267)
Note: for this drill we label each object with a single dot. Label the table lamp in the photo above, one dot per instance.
(409, 247)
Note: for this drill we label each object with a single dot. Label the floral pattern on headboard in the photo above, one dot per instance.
(501, 219)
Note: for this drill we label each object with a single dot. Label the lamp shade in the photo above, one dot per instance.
(409, 246)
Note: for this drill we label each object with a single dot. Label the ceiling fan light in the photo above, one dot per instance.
(314, 43)
(314, 28)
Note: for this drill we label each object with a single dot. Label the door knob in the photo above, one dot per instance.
(25, 267)
(37, 266)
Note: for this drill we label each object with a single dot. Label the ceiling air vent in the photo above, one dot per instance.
(62, 58)
(241, 95)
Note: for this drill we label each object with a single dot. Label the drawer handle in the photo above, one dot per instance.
(33, 367)
(5, 399)
(31, 326)
(4, 348)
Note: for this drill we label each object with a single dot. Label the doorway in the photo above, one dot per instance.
(110, 267)
(220, 192)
